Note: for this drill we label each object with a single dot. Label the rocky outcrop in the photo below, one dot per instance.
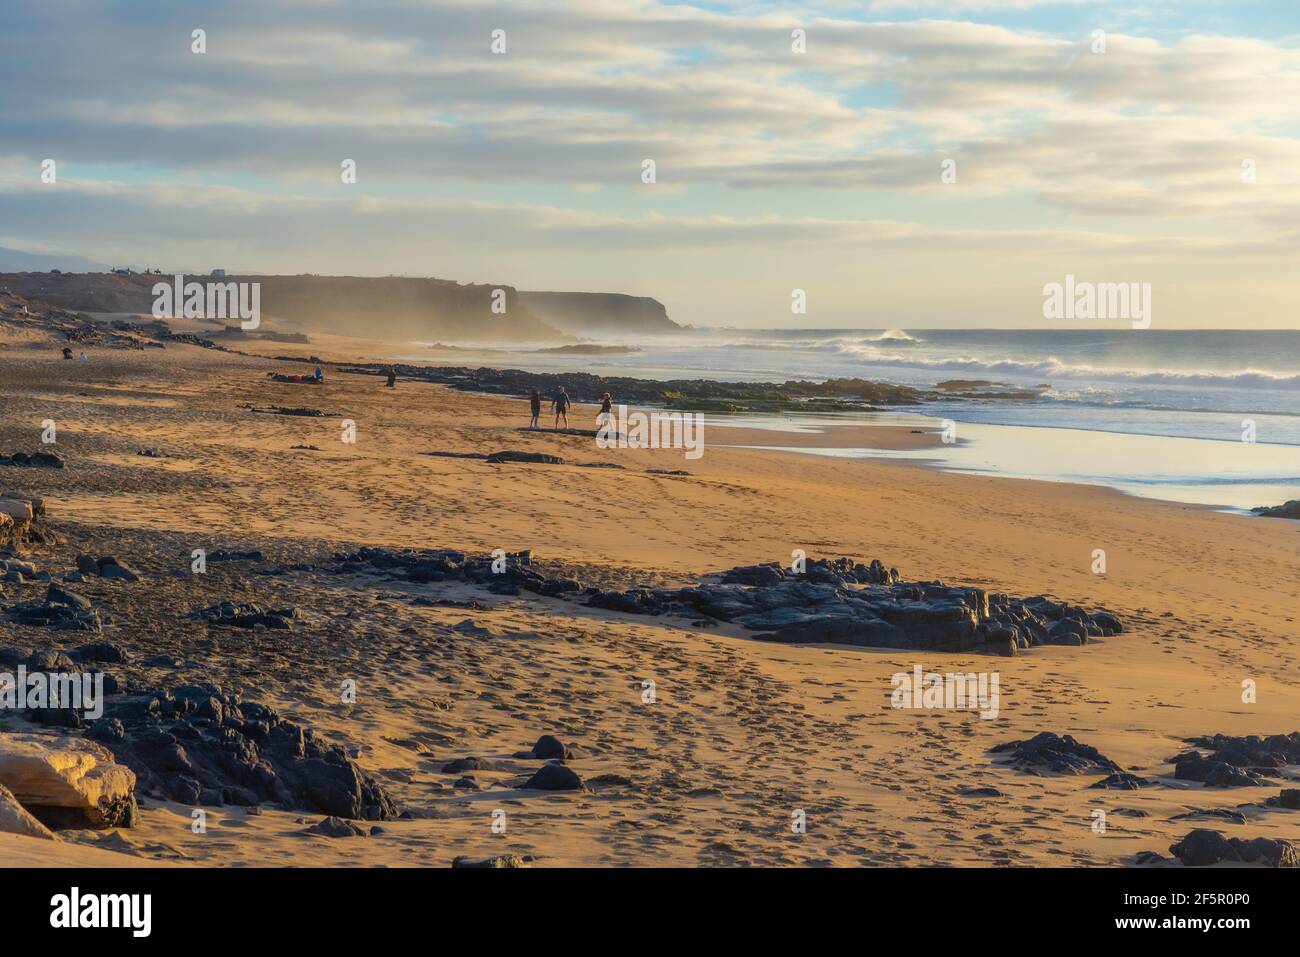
(67, 781)
(1230, 762)
(48, 460)
(62, 609)
(1202, 848)
(442, 564)
(840, 601)
(200, 745)
(1059, 754)
(247, 615)
(500, 861)
(834, 601)
(1289, 509)
(536, 458)
(697, 395)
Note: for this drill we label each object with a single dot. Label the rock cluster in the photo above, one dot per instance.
(106, 566)
(199, 745)
(1059, 754)
(47, 460)
(245, 616)
(304, 411)
(841, 601)
(500, 861)
(540, 458)
(1289, 509)
(837, 601)
(1233, 762)
(1202, 847)
(234, 555)
(62, 609)
(440, 564)
(18, 571)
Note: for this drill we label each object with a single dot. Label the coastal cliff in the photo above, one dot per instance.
(581, 313)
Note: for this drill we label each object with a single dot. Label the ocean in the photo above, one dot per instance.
(1161, 413)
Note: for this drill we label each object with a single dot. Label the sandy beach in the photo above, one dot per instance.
(741, 734)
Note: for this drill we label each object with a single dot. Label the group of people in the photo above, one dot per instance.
(560, 402)
(560, 406)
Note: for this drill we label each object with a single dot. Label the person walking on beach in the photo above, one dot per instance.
(535, 401)
(392, 377)
(561, 406)
(605, 414)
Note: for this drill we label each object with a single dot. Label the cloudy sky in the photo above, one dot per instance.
(776, 170)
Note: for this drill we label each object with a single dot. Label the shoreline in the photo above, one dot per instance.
(879, 441)
(488, 674)
(1197, 483)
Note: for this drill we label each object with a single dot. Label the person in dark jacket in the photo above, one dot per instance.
(561, 406)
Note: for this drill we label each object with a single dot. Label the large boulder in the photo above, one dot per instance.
(67, 781)
(1203, 848)
(554, 777)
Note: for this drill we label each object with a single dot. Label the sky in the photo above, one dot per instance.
(1141, 142)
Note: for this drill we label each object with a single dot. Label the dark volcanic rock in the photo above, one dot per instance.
(252, 555)
(1219, 774)
(286, 410)
(502, 860)
(554, 777)
(461, 765)
(839, 601)
(61, 609)
(110, 567)
(335, 827)
(1274, 751)
(1289, 509)
(1201, 848)
(1149, 858)
(1217, 813)
(1123, 781)
(1058, 754)
(199, 745)
(47, 460)
(245, 616)
(101, 651)
(496, 458)
(50, 659)
(1233, 762)
(548, 748)
(691, 394)
(438, 565)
